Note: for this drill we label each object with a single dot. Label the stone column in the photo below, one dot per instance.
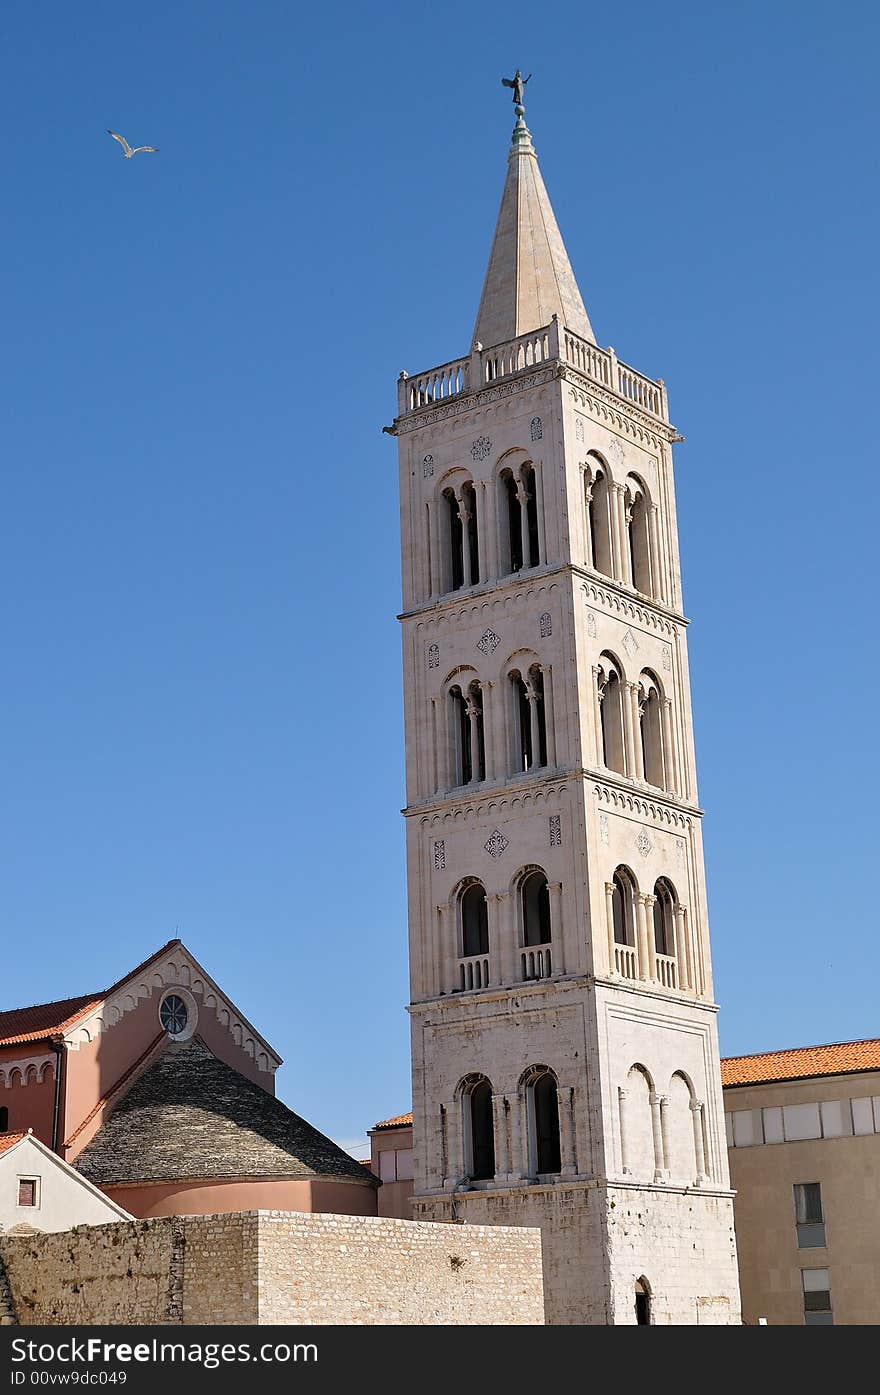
(549, 718)
(491, 732)
(508, 933)
(454, 1145)
(664, 1133)
(627, 535)
(464, 515)
(683, 951)
(642, 939)
(699, 1155)
(615, 496)
(524, 496)
(657, 1132)
(542, 516)
(670, 764)
(480, 504)
(557, 929)
(519, 1149)
(473, 713)
(448, 948)
(609, 909)
(588, 532)
(633, 696)
(648, 903)
(624, 1138)
(535, 726)
(565, 1105)
(434, 535)
(629, 740)
(496, 937)
(657, 585)
(502, 1139)
(598, 694)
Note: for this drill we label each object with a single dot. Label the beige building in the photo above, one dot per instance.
(803, 1129)
(565, 1058)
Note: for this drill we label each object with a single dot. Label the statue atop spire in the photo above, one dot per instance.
(518, 83)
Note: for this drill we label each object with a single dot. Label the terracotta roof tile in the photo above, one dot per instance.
(9, 1140)
(43, 1019)
(838, 1058)
(398, 1122)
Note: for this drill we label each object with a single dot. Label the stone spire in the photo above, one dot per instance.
(529, 278)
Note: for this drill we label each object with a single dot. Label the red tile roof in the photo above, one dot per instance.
(838, 1058)
(44, 1019)
(50, 1019)
(9, 1140)
(398, 1122)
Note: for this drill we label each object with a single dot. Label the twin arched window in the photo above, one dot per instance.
(622, 536)
(468, 735)
(540, 1097)
(635, 725)
(663, 959)
(529, 724)
(519, 514)
(463, 550)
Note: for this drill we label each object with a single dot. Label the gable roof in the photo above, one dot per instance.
(189, 1115)
(801, 1062)
(12, 1140)
(43, 1019)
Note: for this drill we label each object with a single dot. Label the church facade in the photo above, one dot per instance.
(565, 1057)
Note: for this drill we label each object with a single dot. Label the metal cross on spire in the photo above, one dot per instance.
(517, 82)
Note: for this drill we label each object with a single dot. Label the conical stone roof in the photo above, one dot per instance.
(529, 278)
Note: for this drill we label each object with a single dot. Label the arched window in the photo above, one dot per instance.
(664, 917)
(474, 921)
(513, 518)
(651, 729)
(543, 1119)
(623, 907)
(597, 500)
(638, 536)
(4, 1119)
(468, 736)
(529, 719)
(527, 477)
(479, 1129)
(610, 694)
(643, 1303)
(520, 546)
(463, 556)
(535, 905)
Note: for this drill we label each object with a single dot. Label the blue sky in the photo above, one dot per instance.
(202, 725)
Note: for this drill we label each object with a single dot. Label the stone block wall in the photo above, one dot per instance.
(274, 1267)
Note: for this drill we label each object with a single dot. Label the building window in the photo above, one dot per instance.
(535, 897)
(817, 1298)
(543, 1118)
(664, 918)
(28, 1191)
(474, 921)
(396, 1165)
(638, 537)
(808, 1214)
(597, 499)
(480, 1131)
(173, 1015)
(643, 1303)
(4, 1120)
(529, 719)
(655, 761)
(610, 695)
(622, 904)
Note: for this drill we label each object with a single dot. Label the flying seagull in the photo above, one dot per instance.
(126, 148)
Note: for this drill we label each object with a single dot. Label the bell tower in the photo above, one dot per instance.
(565, 1057)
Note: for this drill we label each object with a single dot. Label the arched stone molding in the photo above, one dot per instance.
(596, 595)
(176, 970)
(537, 801)
(26, 1070)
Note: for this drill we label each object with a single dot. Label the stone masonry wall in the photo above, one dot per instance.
(367, 1270)
(275, 1267)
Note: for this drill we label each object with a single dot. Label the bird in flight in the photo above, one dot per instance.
(126, 148)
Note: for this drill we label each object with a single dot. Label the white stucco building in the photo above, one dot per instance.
(565, 1057)
(40, 1192)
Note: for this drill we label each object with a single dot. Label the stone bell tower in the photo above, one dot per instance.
(565, 1057)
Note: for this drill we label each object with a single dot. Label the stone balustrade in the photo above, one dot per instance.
(553, 343)
(473, 972)
(536, 963)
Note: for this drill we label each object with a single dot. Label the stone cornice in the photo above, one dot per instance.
(568, 1184)
(485, 396)
(553, 987)
(638, 605)
(611, 789)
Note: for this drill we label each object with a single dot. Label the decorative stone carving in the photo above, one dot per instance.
(546, 625)
(616, 453)
(630, 643)
(591, 624)
(488, 642)
(481, 448)
(428, 466)
(440, 855)
(537, 430)
(556, 830)
(603, 827)
(578, 429)
(681, 849)
(644, 844)
(496, 844)
(667, 657)
(433, 656)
